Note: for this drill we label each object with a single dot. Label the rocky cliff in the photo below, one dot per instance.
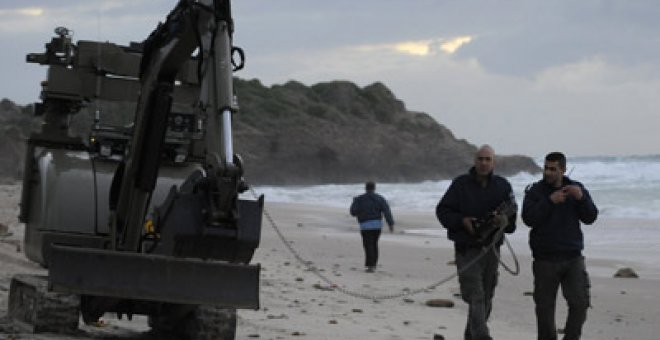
(331, 132)
(337, 132)
(16, 123)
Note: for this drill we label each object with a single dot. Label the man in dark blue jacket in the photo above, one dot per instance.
(369, 208)
(473, 202)
(554, 208)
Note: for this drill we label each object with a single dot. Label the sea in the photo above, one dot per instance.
(626, 190)
(622, 187)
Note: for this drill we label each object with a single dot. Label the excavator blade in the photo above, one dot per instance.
(149, 277)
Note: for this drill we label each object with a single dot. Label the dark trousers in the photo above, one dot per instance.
(370, 244)
(572, 276)
(478, 280)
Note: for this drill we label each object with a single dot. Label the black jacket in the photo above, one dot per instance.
(555, 228)
(467, 198)
(371, 206)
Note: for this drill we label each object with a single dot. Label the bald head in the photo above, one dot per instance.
(484, 160)
(486, 149)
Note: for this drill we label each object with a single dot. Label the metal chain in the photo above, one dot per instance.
(406, 292)
(516, 264)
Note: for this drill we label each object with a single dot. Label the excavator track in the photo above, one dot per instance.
(202, 323)
(209, 322)
(38, 310)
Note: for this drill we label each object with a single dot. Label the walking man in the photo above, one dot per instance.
(473, 203)
(369, 208)
(553, 208)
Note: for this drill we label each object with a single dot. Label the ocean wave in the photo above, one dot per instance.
(622, 187)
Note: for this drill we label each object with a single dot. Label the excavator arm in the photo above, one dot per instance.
(203, 219)
(205, 26)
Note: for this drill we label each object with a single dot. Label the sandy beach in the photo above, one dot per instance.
(297, 304)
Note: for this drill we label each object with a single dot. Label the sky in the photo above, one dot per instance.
(527, 76)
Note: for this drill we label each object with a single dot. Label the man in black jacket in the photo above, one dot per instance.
(554, 208)
(369, 208)
(473, 203)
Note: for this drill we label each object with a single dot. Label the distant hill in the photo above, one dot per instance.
(334, 132)
(16, 122)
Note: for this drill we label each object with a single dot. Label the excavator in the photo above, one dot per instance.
(146, 217)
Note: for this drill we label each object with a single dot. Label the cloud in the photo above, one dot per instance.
(599, 80)
(31, 11)
(20, 19)
(451, 46)
(526, 78)
(25, 11)
(420, 48)
(111, 18)
(575, 107)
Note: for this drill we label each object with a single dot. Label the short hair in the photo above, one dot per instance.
(556, 157)
(370, 186)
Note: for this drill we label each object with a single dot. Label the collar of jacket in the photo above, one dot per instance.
(473, 175)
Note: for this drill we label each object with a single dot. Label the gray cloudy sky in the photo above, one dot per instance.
(525, 76)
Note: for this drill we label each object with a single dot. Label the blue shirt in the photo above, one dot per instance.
(371, 225)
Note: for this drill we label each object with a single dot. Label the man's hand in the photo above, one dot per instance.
(468, 224)
(391, 228)
(500, 220)
(574, 190)
(559, 196)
